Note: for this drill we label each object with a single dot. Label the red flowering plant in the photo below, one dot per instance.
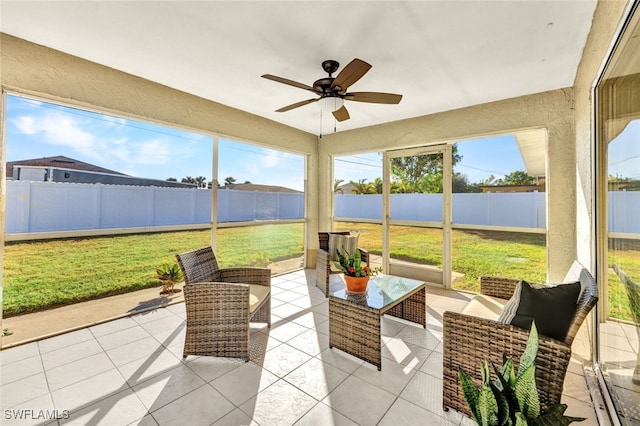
(352, 266)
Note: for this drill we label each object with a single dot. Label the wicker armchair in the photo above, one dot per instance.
(468, 340)
(220, 303)
(323, 261)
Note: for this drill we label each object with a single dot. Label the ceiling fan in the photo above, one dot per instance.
(336, 88)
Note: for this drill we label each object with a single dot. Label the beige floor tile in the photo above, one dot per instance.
(21, 369)
(64, 340)
(424, 390)
(167, 387)
(279, 404)
(203, 406)
(311, 319)
(324, 415)
(210, 368)
(360, 401)
(122, 337)
(77, 371)
(244, 382)
(113, 326)
(284, 331)
(21, 391)
(19, 353)
(236, 418)
(39, 411)
(341, 360)
(119, 409)
(316, 378)
(310, 342)
(138, 349)
(70, 353)
(283, 359)
(153, 315)
(401, 352)
(89, 391)
(405, 413)
(138, 371)
(392, 378)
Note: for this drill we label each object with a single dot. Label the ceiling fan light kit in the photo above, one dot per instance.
(332, 91)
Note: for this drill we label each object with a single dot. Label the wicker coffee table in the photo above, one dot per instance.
(354, 319)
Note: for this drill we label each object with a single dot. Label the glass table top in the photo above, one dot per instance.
(382, 291)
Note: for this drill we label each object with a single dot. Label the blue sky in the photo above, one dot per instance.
(498, 156)
(37, 129)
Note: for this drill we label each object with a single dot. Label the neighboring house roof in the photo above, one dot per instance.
(347, 188)
(257, 187)
(59, 161)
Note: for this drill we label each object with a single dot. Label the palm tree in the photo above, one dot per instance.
(201, 181)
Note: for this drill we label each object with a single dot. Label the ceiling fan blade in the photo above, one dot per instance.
(374, 97)
(350, 74)
(296, 105)
(341, 114)
(290, 82)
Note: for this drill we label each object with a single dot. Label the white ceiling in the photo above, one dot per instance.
(440, 55)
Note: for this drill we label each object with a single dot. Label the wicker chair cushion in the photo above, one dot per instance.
(257, 294)
(552, 307)
(345, 243)
(484, 307)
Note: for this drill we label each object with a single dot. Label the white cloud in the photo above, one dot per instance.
(59, 129)
(25, 124)
(153, 152)
(270, 160)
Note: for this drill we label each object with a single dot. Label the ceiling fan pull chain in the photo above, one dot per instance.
(320, 124)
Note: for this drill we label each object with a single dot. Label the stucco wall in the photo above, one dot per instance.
(552, 111)
(606, 21)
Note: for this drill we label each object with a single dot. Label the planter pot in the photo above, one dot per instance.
(356, 284)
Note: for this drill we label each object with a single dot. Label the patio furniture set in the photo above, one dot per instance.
(221, 303)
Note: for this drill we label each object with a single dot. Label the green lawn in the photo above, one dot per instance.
(43, 274)
(475, 253)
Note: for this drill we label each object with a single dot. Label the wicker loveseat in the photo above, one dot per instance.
(324, 267)
(220, 303)
(469, 338)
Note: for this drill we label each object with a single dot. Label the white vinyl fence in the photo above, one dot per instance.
(52, 207)
(509, 209)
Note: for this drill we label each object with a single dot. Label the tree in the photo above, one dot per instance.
(229, 181)
(188, 179)
(172, 179)
(419, 173)
(519, 177)
(360, 187)
(336, 184)
(461, 184)
(201, 181)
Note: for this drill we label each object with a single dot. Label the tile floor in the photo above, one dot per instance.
(131, 372)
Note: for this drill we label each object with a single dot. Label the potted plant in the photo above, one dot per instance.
(169, 275)
(512, 399)
(356, 274)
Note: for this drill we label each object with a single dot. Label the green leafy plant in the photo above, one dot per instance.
(511, 399)
(169, 275)
(352, 266)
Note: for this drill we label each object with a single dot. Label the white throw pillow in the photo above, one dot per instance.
(345, 243)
